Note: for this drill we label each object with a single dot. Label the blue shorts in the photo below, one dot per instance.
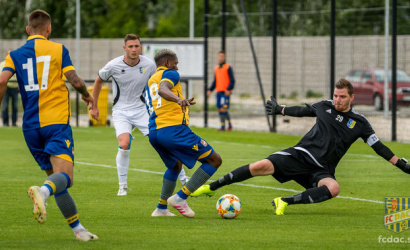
(179, 143)
(54, 140)
(222, 101)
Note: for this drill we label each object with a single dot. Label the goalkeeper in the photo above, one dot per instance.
(312, 162)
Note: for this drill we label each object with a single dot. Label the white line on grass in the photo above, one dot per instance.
(239, 184)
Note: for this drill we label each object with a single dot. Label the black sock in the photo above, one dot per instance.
(222, 119)
(312, 195)
(228, 118)
(237, 175)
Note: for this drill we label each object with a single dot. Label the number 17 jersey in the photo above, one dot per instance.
(39, 66)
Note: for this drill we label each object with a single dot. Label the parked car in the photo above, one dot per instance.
(368, 86)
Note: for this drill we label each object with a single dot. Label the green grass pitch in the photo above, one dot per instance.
(126, 222)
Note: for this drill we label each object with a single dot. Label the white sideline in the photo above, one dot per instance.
(239, 184)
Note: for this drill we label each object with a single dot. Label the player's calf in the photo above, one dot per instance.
(312, 195)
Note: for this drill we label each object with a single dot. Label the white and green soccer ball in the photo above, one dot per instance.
(228, 206)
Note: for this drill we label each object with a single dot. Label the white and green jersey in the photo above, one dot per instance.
(128, 82)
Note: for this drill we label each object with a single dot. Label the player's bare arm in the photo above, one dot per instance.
(166, 93)
(4, 78)
(94, 111)
(79, 85)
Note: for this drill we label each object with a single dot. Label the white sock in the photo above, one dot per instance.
(45, 191)
(182, 177)
(162, 210)
(78, 228)
(123, 161)
(178, 198)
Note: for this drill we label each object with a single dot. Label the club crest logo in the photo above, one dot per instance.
(351, 123)
(142, 70)
(397, 213)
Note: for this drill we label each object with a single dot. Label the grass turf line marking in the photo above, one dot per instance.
(239, 184)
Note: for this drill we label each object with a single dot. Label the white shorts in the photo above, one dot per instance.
(125, 120)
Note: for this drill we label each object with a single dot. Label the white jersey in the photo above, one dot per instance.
(128, 82)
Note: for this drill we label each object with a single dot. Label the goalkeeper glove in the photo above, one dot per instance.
(403, 165)
(272, 107)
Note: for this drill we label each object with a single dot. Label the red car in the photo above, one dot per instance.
(368, 86)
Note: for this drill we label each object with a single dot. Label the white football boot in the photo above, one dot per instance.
(182, 207)
(39, 209)
(157, 213)
(84, 235)
(123, 190)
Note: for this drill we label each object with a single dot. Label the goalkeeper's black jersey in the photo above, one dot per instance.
(330, 138)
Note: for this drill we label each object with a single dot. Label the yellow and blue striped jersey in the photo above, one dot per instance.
(39, 66)
(164, 113)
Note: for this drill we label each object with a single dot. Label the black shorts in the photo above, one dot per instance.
(289, 168)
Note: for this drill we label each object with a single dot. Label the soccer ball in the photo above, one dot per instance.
(228, 206)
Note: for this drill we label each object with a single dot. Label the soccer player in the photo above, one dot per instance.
(171, 137)
(40, 65)
(130, 74)
(312, 162)
(224, 83)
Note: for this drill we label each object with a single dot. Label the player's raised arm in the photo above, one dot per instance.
(273, 108)
(79, 85)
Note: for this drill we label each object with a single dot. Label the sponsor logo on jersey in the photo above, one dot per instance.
(329, 111)
(397, 213)
(142, 70)
(68, 143)
(204, 143)
(351, 123)
(195, 147)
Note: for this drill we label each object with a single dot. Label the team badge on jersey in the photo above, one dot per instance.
(397, 213)
(351, 123)
(142, 70)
